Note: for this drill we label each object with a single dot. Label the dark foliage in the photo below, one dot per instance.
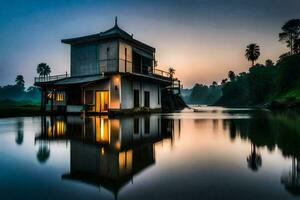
(203, 94)
(17, 92)
(262, 83)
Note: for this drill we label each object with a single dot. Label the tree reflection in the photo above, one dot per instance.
(271, 130)
(20, 132)
(291, 180)
(43, 153)
(254, 159)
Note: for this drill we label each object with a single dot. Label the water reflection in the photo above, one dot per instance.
(19, 131)
(106, 152)
(271, 130)
(213, 154)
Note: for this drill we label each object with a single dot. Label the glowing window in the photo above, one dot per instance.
(60, 96)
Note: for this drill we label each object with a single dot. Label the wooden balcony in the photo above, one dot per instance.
(43, 79)
(114, 66)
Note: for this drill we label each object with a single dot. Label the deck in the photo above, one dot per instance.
(156, 73)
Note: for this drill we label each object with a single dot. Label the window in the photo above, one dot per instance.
(136, 126)
(136, 101)
(60, 96)
(158, 95)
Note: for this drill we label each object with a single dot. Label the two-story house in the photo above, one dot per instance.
(109, 72)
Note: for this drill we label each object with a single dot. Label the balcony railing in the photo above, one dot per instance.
(161, 73)
(43, 79)
(113, 65)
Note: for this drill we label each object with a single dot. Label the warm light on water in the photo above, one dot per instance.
(214, 153)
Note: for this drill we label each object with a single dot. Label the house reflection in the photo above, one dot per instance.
(108, 152)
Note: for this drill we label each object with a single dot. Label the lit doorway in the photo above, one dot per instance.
(101, 101)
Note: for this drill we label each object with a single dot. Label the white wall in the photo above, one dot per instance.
(125, 59)
(127, 94)
(84, 59)
(108, 60)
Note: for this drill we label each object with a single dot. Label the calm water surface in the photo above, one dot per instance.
(214, 153)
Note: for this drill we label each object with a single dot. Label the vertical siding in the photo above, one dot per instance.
(84, 59)
(127, 96)
(125, 59)
(108, 60)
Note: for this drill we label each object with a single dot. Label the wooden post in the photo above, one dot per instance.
(141, 64)
(42, 99)
(52, 96)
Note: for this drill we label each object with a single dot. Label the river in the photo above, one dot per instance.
(214, 153)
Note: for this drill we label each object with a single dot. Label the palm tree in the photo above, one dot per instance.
(252, 52)
(43, 69)
(171, 72)
(47, 70)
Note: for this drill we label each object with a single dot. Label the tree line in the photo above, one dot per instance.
(18, 92)
(263, 83)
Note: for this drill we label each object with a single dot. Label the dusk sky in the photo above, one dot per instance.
(201, 39)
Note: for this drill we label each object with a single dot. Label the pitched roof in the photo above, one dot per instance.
(112, 33)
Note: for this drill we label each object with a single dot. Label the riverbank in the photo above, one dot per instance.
(19, 110)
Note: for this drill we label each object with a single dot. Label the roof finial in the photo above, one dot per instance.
(116, 21)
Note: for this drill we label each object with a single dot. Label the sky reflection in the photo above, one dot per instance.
(151, 157)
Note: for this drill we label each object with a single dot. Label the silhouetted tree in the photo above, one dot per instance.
(171, 72)
(290, 33)
(269, 63)
(20, 82)
(296, 47)
(214, 84)
(231, 75)
(224, 81)
(252, 52)
(43, 69)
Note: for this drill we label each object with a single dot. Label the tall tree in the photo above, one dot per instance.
(214, 84)
(252, 52)
(269, 63)
(20, 82)
(290, 33)
(231, 75)
(171, 72)
(43, 69)
(296, 46)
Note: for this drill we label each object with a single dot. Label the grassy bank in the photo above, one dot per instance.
(9, 108)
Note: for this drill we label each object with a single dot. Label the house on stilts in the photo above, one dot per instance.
(110, 72)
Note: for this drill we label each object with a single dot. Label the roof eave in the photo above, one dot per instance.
(97, 38)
